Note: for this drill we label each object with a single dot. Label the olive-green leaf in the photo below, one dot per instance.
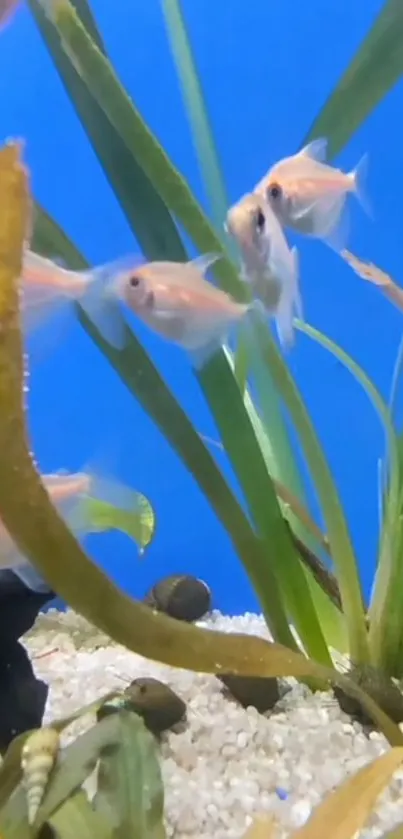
(77, 818)
(375, 69)
(130, 792)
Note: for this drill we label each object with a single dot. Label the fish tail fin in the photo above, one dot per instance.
(359, 176)
(109, 504)
(101, 304)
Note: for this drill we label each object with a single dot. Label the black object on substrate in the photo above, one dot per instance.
(380, 687)
(261, 692)
(158, 705)
(180, 596)
(22, 696)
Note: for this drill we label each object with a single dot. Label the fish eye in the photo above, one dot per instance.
(260, 221)
(275, 191)
(134, 281)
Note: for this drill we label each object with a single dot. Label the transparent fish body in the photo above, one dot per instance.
(69, 493)
(268, 264)
(177, 302)
(309, 196)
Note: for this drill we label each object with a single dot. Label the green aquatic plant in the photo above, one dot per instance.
(129, 798)
(44, 538)
(155, 198)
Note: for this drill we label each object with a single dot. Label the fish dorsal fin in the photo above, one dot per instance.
(205, 261)
(316, 150)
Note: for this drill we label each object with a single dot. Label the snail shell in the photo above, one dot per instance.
(156, 703)
(261, 692)
(181, 596)
(38, 757)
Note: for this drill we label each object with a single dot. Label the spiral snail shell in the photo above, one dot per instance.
(39, 755)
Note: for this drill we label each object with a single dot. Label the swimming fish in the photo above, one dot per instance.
(174, 299)
(309, 196)
(71, 494)
(268, 264)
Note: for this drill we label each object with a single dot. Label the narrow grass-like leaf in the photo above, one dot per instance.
(102, 84)
(344, 812)
(197, 114)
(130, 792)
(375, 397)
(375, 69)
(243, 449)
(385, 611)
(284, 460)
(43, 536)
(89, 62)
(146, 211)
(337, 530)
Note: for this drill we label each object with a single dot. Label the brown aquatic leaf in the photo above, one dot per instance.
(368, 271)
(344, 812)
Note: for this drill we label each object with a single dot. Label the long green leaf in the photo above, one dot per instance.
(76, 817)
(196, 113)
(134, 359)
(384, 635)
(338, 534)
(130, 792)
(101, 82)
(141, 377)
(375, 397)
(237, 433)
(284, 462)
(376, 68)
(139, 199)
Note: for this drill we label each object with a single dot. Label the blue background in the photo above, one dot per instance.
(267, 68)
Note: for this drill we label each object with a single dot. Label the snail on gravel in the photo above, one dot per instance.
(262, 692)
(180, 596)
(158, 705)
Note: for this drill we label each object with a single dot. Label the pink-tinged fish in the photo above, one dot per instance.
(69, 493)
(268, 264)
(309, 196)
(174, 299)
(7, 10)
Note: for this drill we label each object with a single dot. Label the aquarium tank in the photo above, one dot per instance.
(200, 414)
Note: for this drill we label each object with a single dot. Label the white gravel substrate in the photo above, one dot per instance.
(228, 764)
